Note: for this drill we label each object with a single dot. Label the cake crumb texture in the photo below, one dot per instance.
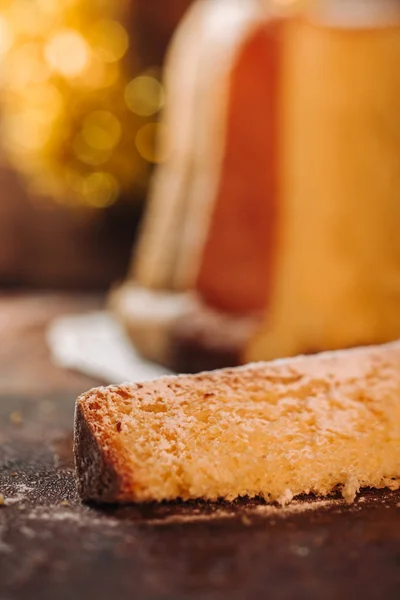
(276, 430)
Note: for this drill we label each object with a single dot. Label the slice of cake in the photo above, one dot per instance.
(296, 426)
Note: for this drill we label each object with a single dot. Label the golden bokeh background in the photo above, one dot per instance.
(79, 118)
(81, 100)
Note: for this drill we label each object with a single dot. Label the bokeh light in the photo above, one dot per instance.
(77, 118)
(87, 154)
(109, 40)
(101, 189)
(67, 52)
(101, 130)
(144, 95)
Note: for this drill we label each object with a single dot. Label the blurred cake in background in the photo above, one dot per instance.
(272, 228)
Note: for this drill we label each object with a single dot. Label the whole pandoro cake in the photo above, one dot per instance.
(272, 229)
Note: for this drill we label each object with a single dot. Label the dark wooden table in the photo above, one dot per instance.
(54, 548)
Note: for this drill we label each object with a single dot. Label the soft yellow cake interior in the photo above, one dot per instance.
(279, 429)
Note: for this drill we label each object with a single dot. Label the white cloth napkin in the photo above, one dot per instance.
(96, 345)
